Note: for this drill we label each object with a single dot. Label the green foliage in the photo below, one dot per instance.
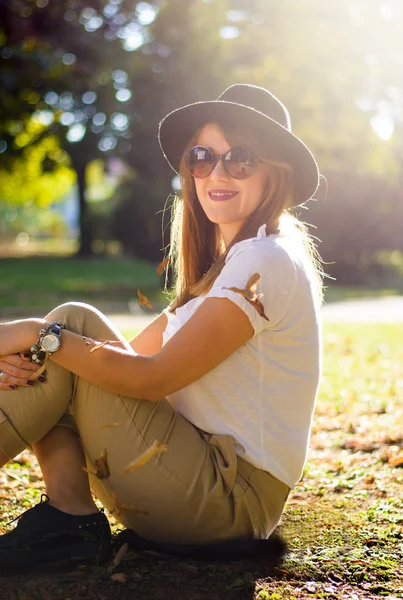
(98, 186)
(39, 175)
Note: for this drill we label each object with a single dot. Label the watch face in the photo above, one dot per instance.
(50, 342)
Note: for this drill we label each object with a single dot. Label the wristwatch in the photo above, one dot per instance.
(49, 342)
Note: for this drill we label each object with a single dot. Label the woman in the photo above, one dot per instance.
(225, 378)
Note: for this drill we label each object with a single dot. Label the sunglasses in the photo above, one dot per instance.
(239, 163)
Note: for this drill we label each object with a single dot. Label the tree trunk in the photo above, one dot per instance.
(85, 224)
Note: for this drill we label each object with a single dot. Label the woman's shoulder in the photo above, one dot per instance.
(264, 247)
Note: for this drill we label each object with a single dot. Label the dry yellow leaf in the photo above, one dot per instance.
(103, 344)
(119, 577)
(249, 293)
(118, 558)
(102, 470)
(143, 459)
(251, 286)
(259, 307)
(144, 300)
(162, 266)
(119, 507)
(396, 461)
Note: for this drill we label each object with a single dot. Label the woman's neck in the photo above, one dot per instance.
(228, 231)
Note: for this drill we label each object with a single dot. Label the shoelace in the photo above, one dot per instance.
(44, 498)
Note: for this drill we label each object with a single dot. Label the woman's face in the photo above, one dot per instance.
(228, 202)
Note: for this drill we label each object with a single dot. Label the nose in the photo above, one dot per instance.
(219, 173)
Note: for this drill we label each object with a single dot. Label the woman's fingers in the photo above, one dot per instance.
(16, 361)
(17, 372)
(8, 381)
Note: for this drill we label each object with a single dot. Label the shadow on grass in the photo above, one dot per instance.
(333, 554)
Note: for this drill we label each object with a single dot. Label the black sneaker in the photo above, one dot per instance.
(45, 535)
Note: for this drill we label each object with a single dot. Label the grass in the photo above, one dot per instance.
(40, 283)
(343, 521)
(336, 293)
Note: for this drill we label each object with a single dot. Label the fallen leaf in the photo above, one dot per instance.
(162, 266)
(259, 307)
(101, 467)
(118, 558)
(108, 426)
(186, 568)
(250, 289)
(98, 346)
(238, 291)
(369, 479)
(249, 293)
(103, 344)
(396, 461)
(251, 286)
(120, 577)
(141, 460)
(371, 542)
(119, 507)
(144, 300)
(359, 446)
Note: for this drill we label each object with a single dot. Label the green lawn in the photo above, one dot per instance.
(343, 522)
(335, 293)
(42, 283)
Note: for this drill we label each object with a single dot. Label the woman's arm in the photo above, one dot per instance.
(149, 341)
(216, 330)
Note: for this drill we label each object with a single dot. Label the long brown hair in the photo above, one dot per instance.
(197, 253)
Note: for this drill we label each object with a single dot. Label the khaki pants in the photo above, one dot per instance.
(198, 491)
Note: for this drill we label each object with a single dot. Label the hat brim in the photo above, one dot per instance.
(178, 127)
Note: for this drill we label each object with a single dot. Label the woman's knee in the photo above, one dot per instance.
(75, 315)
(85, 319)
(70, 309)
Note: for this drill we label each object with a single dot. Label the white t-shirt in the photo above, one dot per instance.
(264, 393)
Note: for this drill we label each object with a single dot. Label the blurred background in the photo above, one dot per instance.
(84, 83)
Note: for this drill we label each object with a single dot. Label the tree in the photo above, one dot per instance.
(55, 75)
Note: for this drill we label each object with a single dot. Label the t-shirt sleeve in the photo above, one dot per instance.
(276, 284)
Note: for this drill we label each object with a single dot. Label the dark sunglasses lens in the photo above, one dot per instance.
(201, 161)
(240, 163)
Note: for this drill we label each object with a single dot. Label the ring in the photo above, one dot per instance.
(1, 374)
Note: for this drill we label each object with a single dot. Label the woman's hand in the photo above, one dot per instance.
(17, 371)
